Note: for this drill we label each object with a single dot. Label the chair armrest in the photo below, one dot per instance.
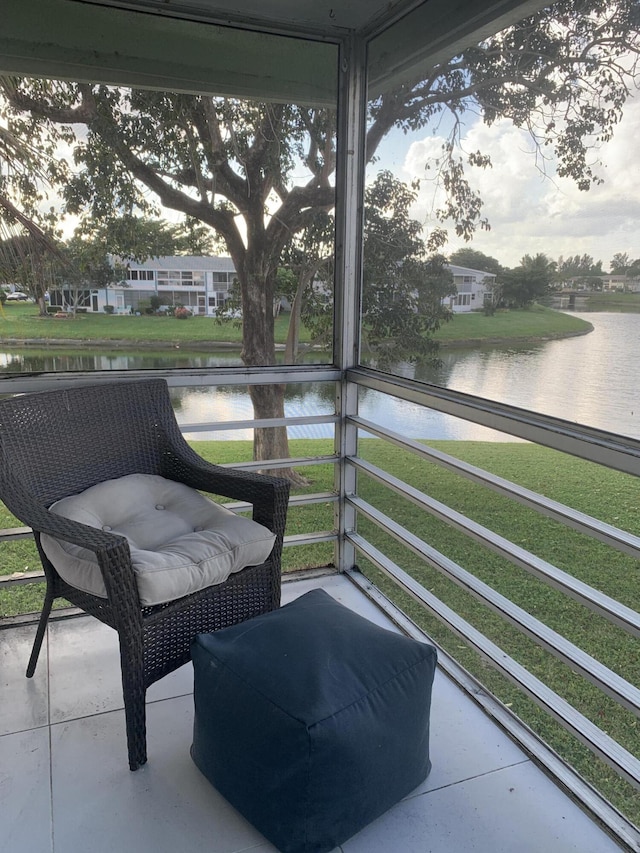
(111, 550)
(268, 495)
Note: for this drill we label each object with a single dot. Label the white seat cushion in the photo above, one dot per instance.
(180, 540)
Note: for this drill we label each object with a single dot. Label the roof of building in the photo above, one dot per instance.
(456, 270)
(200, 263)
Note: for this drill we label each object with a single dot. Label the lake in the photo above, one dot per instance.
(591, 379)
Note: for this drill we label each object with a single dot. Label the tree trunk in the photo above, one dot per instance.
(258, 349)
(272, 442)
(293, 332)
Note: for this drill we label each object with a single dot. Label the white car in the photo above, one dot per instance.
(17, 296)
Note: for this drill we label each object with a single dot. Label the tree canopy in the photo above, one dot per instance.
(578, 266)
(403, 288)
(475, 260)
(528, 282)
(622, 263)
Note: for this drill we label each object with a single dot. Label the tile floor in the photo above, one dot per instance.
(65, 786)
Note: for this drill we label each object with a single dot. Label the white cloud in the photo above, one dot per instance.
(529, 207)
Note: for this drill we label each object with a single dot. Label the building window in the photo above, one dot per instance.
(220, 277)
(140, 275)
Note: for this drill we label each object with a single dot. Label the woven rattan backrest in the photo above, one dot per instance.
(58, 443)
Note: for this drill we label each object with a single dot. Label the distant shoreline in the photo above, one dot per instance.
(203, 346)
(523, 339)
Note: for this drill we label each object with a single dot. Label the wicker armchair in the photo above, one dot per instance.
(58, 443)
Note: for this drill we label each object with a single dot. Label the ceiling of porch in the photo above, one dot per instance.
(320, 16)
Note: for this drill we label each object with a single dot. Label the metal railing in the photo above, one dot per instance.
(617, 452)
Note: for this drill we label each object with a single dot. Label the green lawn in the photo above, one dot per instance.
(19, 322)
(534, 322)
(609, 495)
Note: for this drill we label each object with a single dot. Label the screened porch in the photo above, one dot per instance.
(534, 724)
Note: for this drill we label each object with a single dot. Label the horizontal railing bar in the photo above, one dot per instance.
(20, 383)
(504, 717)
(19, 578)
(605, 679)
(58, 614)
(10, 533)
(305, 538)
(600, 743)
(311, 538)
(294, 501)
(262, 423)
(614, 451)
(619, 539)
(604, 605)
(235, 506)
(289, 462)
(316, 498)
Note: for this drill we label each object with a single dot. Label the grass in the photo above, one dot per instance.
(20, 322)
(609, 495)
(534, 323)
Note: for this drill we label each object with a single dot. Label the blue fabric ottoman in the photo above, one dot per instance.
(311, 720)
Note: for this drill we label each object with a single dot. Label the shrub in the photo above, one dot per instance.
(182, 313)
(108, 309)
(155, 302)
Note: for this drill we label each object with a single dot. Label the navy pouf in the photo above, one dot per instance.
(311, 720)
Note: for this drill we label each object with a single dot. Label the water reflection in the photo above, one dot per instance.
(589, 379)
(54, 360)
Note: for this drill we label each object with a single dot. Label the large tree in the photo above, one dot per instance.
(475, 260)
(563, 74)
(580, 270)
(28, 245)
(403, 287)
(404, 284)
(215, 160)
(531, 280)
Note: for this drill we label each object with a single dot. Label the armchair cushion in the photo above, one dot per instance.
(180, 541)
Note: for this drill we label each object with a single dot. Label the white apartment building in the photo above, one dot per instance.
(200, 283)
(203, 284)
(473, 289)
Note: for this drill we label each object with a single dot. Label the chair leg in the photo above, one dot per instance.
(134, 692)
(42, 627)
(135, 715)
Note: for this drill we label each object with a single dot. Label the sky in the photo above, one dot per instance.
(530, 212)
